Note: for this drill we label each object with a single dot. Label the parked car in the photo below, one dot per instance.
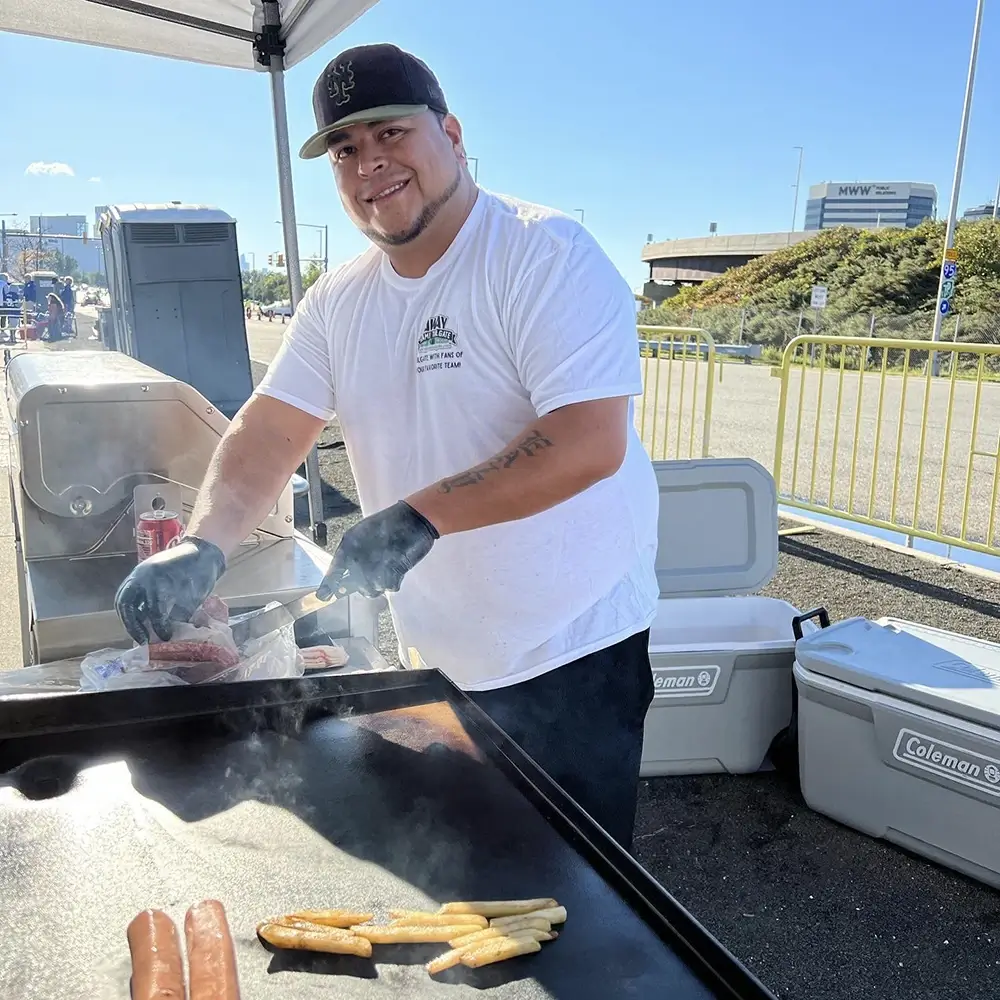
(282, 309)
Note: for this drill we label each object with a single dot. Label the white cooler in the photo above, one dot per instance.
(900, 738)
(722, 663)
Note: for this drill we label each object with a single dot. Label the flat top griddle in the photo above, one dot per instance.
(368, 791)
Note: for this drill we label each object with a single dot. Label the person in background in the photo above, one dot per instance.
(55, 321)
(68, 295)
(30, 290)
(4, 287)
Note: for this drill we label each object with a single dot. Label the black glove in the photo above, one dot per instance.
(168, 587)
(378, 552)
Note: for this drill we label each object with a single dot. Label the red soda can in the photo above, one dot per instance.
(157, 530)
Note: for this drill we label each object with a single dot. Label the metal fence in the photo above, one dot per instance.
(867, 432)
(674, 417)
(776, 328)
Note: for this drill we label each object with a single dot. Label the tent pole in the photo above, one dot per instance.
(290, 230)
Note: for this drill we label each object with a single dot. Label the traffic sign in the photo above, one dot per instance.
(818, 299)
(951, 254)
(950, 270)
(944, 307)
(948, 288)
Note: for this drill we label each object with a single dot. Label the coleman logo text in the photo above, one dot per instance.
(962, 766)
(684, 682)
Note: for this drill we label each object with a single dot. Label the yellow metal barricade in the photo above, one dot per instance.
(674, 416)
(869, 433)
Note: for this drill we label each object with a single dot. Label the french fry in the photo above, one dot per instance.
(332, 918)
(507, 924)
(446, 961)
(499, 908)
(474, 942)
(307, 925)
(531, 933)
(412, 934)
(498, 950)
(413, 918)
(552, 914)
(470, 939)
(331, 940)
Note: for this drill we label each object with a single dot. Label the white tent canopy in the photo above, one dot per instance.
(219, 32)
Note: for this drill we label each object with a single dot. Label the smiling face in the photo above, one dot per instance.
(394, 177)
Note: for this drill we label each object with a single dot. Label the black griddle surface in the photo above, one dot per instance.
(366, 812)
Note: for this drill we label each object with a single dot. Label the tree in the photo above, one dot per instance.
(312, 274)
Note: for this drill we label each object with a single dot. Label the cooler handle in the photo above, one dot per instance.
(820, 613)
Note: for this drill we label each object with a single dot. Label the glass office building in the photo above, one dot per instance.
(978, 213)
(870, 205)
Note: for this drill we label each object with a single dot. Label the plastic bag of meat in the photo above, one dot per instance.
(111, 669)
(199, 652)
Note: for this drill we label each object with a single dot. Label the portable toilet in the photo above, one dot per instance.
(177, 296)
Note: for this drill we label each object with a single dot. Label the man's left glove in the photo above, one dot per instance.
(378, 552)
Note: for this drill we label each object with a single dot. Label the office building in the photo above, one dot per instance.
(870, 204)
(984, 211)
(65, 233)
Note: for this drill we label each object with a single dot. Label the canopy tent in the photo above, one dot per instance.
(218, 32)
(264, 35)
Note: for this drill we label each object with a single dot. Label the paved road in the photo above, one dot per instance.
(745, 419)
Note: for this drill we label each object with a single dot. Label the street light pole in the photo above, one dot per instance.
(475, 169)
(996, 201)
(580, 210)
(798, 178)
(324, 230)
(4, 216)
(948, 272)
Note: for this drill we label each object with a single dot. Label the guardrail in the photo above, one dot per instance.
(671, 409)
(939, 481)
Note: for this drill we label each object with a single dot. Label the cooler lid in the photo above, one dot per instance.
(883, 659)
(718, 527)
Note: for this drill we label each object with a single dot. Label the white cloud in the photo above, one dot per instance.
(93, 180)
(39, 167)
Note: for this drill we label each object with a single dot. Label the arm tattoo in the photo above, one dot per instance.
(528, 446)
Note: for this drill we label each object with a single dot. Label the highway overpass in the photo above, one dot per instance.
(675, 263)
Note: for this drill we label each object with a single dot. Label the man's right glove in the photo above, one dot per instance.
(168, 587)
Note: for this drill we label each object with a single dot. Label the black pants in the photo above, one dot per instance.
(582, 723)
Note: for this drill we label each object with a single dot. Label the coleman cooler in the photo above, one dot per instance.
(900, 738)
(722, 661)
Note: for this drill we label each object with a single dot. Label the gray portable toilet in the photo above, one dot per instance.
(177, 296)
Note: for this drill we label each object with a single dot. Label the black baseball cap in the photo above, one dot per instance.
(370, 83)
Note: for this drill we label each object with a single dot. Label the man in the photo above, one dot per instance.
(68, 295)
(481, 357)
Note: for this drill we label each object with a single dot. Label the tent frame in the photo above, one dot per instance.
(269, 48)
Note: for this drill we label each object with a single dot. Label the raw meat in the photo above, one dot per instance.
(192, 651)
(216, 609)
(316, 657)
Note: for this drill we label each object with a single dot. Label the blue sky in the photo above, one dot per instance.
(651, 115)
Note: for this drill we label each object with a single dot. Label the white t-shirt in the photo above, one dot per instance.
(523, 313)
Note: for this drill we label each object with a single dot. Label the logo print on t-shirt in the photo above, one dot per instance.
(339, 81)
(436, 346)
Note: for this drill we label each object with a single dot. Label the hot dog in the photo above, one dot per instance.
(211, 956)
(157, 965)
